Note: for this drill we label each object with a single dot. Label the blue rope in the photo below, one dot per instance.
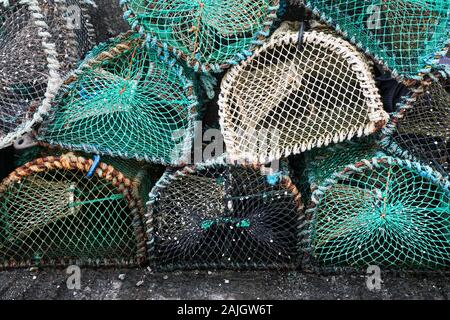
(94, 166)
(273, 178)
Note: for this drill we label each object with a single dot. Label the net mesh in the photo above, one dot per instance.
(323, 162)
(386, 212)
(223, 216)
(129, 168)
(208, 34)
(53, 213)
(285, 100)
(406, 35)
(125, 101)
(421, 129)
(37, 46)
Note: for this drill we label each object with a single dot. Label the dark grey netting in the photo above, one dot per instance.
(39, 42)
(420, 130)
(223, 216)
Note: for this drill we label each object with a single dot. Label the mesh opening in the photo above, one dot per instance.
(284, 100)
(322, 163)
(407, 35)
(424, 129)
(223, 217)
(208, 32)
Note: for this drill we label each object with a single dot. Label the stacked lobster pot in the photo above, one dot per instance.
(335, 128)
(58, 210)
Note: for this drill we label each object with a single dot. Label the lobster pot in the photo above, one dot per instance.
(39, 42)
(208, 35)
(284, 99)
(125, 101)
(407, 36)
(420, 130)
(383, 211)
(223, 216)
(53, 212)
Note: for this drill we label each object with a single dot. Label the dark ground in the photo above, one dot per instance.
(225, 285)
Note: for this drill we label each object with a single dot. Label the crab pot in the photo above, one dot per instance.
(223, 216)
(56, 211)
(406, 36)
(124, 101)
(209, 35)
(38, 45)
(383, 211)
(285, 100)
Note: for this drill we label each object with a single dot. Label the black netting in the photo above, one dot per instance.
(223, 217)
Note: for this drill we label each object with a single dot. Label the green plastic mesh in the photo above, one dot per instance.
(125, 101)
(208, 34)
(406, 35)
(223, 216)
(323, 162)
(421, 129)
(39, 42)
(285, 100)
(386, 212)
(53, 213)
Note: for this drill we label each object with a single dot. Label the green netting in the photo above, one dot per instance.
(386, 212)
(208, 34)
(323, 162)
(53, 213)
(420, 130)
(125, 101)
(223, 216)
(406, 35)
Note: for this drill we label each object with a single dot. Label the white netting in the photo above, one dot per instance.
(285, 99)
(40, 40)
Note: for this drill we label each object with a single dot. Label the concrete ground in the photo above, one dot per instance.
(124, 284)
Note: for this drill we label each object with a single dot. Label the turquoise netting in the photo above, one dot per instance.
(209, 34)
(406, 35)
(384, 211)
(125, 101)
